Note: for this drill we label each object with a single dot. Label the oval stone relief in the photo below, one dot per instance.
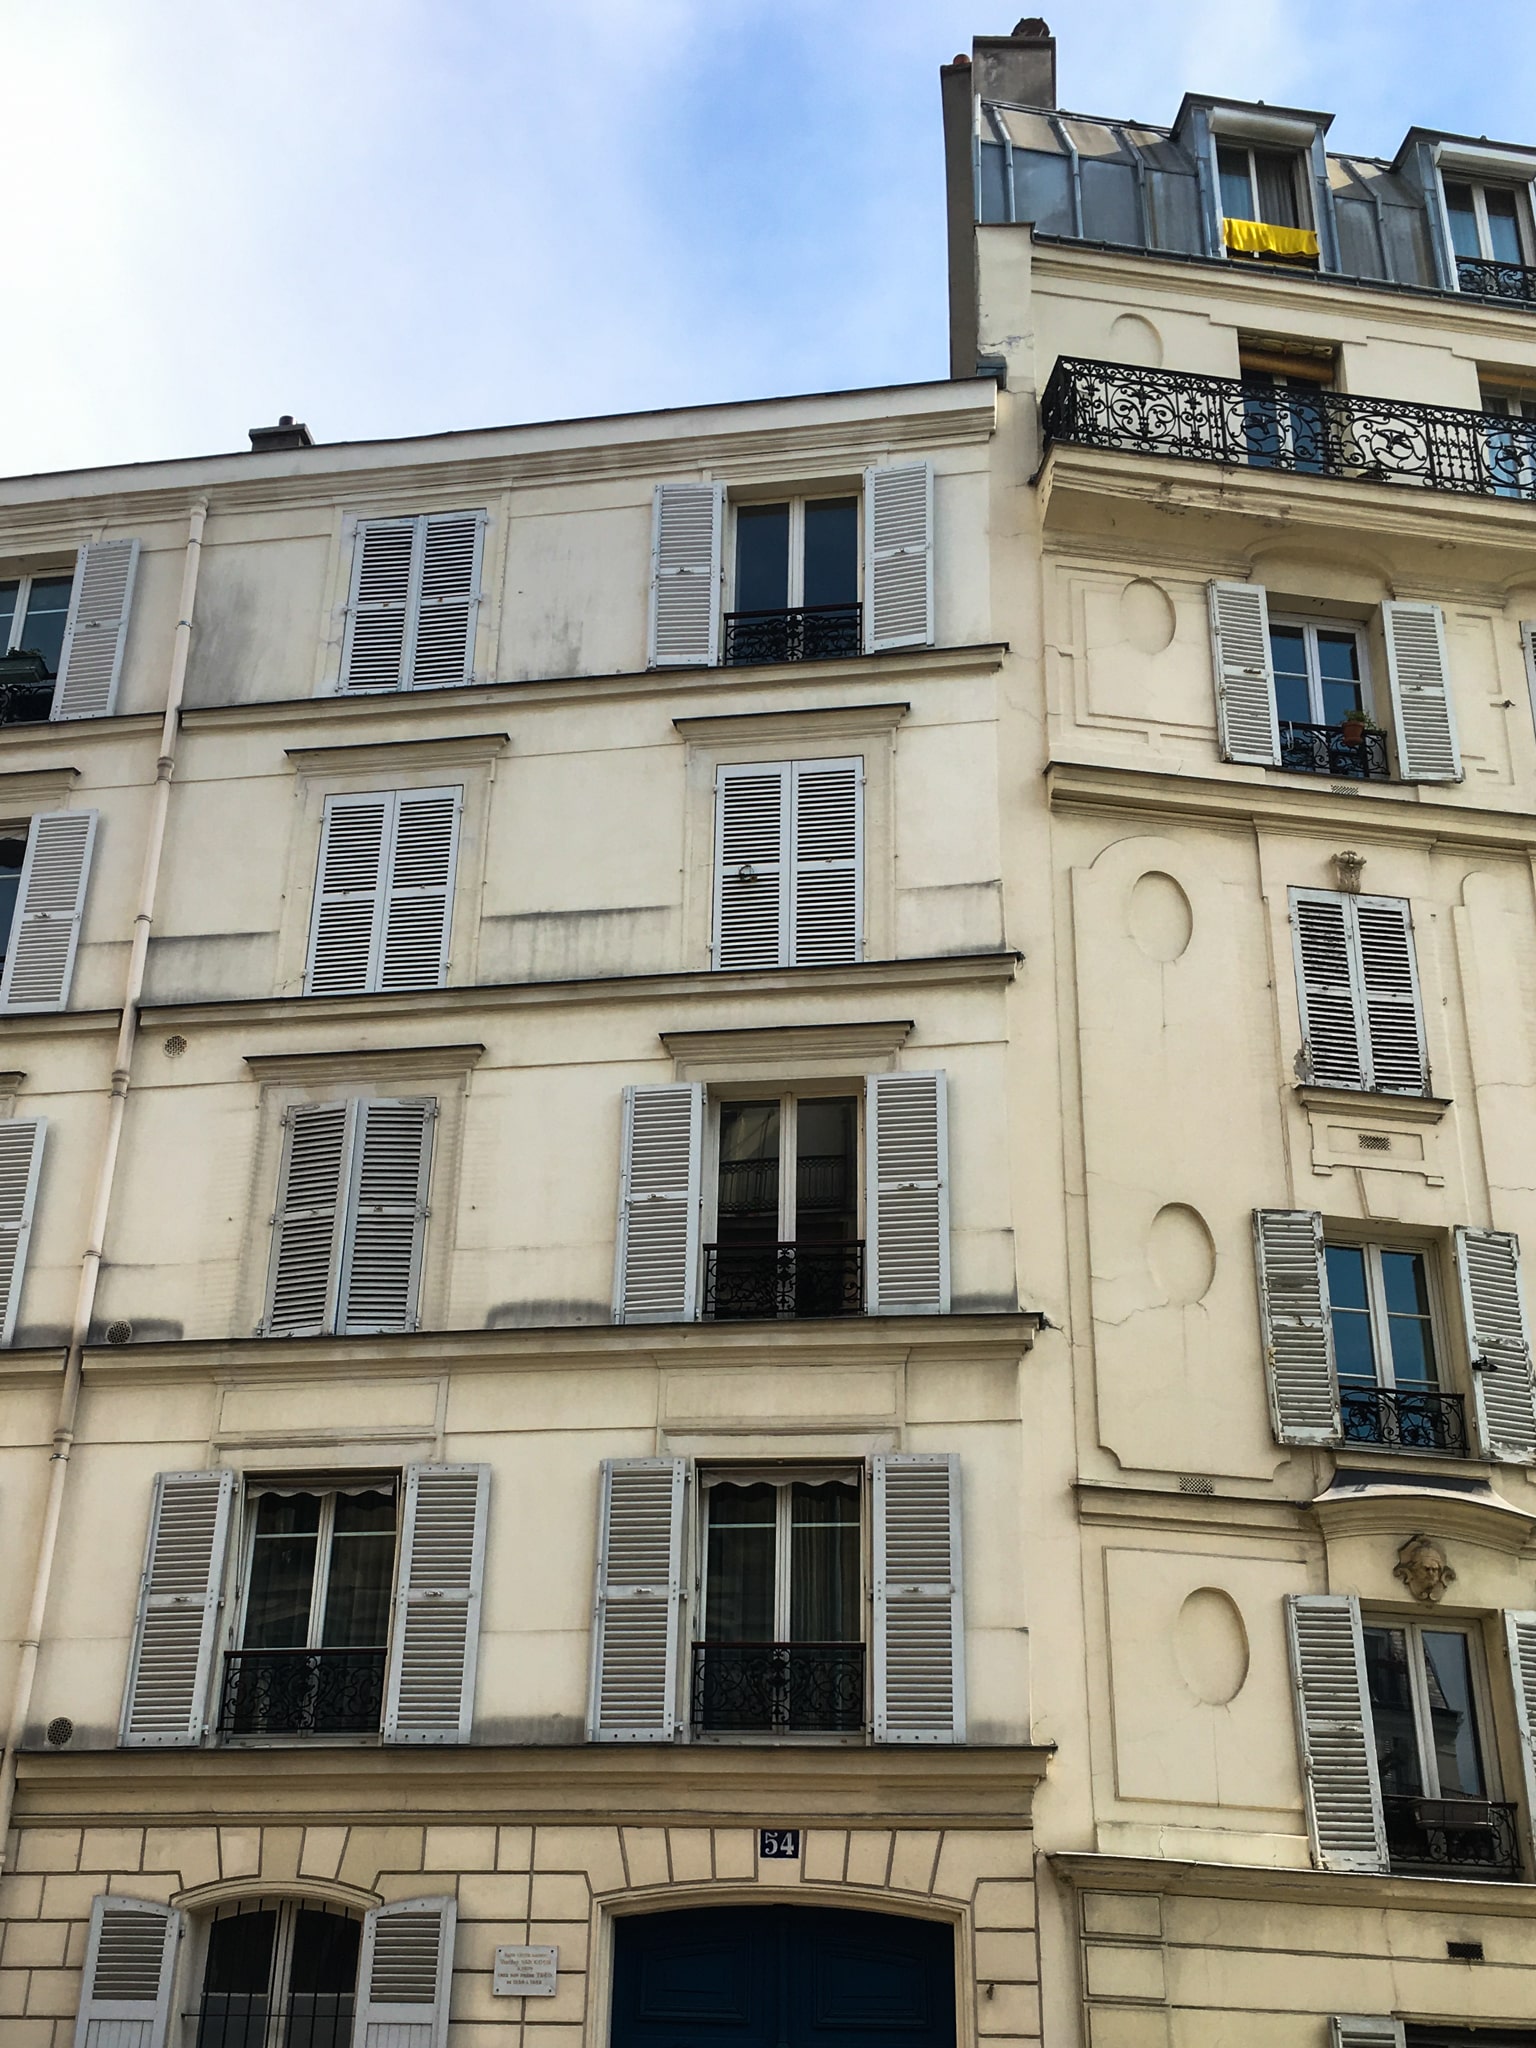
(1160, 919)
(1148, 621)
(1180, 1254)
(1210, 1645)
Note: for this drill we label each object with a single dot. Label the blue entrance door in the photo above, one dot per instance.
(782, 1977)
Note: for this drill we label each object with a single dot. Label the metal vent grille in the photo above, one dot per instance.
(1195, 1482)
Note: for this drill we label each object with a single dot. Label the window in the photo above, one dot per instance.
(1358, 986)
(13, 855)
(1384, 1347)
(384, 892)
(782, 1649)
(42, 900)
(314, 1629)
(1490, 240)
(279, 1973)
(1285, 409)
(415, 595)
(786, 1210)
(1258, 185)
(789, 843)
(1510, 451)
(795, 587)
(1322, 702)
(33, 612)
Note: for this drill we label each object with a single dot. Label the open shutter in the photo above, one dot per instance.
(1389, 974)
(179, 1594)
(49, 903)
(1520, 1637)
(752, 810)
(919, 1623)
(448, 599)
(380, 607)
(1246, 723)
(827, 859)
(418, 907)
(1298, 1330)
(1417, 671)
(344, 928)
(1333, 1723)
(405, 1975)
(387, 1216)
(907, 1197)
(898, 556)
(657, 1267)
(130, 1963)
(1364, 2030)
(1528, 646)
(1327, 991)
(686, 525)
(21, 1159)
(430, 1688)
(637, 1603)
(1498, 1343)
(306, 1228)
(95, 629)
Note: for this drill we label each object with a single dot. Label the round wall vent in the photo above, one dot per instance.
(119, 1333)
(175, 1046)
(59, 1730)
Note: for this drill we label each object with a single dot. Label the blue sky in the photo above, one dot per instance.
(392, 216)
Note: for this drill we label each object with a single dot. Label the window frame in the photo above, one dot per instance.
(1484, 1724)
(788, 1095)
(1448, 1363)
(1309, 629)
(1305, 217)
(330, 1485)
(1480, 188)
(287, 1907)
(851, 1471)
(24, 585)
(797, 502)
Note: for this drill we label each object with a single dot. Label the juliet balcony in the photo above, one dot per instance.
(778, 1688)
(748, 1282)
(1488, 280)
(809, 632)
(297, 1693)
(1405, 1419)
(1452, 1837)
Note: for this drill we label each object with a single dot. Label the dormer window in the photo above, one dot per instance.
(1264, 210)
(1490, 239)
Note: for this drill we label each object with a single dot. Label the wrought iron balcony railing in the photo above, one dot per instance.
(1496, 280)
(26, 689)
(1465, 1837)
(1309, 432)
(1323, 750)
(810, 632)
(302, 1692)
(242, 2019)
(750, 1280)
(778, 1688)
(1405, 1419)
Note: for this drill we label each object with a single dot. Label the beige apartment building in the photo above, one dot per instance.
(762, 1170)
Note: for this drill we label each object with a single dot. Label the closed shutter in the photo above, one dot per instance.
(1394, 1025)
(96, 628)
(826, 866)
(637, 1603)
(1498, 1343)
(384, 892)
(1297, 1327)
(306, 1228)
(907, 1197)
(1328, 991)
(405, 1975)
(752, 811)
(1334, 1729)
(1419, 676)
(418, 907)
(1364, 2030)
(50, 901)
(21, 1159)
(130, 1964)
(1246, 723)
(415, 596)
(686, 525)
(379, 612)
(344, 928)
(387, 1220)
(1520, 1639)
(443, 652)
(898, 556)
(919, 1621)
(180, 1590)
(657, 1265)
(430, 1689)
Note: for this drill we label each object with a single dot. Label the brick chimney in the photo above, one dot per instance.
(1020, 67)
(288, 433)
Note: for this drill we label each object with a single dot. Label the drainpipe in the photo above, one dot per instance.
(90, 1265)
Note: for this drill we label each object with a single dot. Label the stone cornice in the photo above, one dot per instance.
(1395, 1505)
(780, 1045)
(1404, 1109)
(366, 756)
(1216, 1514)
(365, 1063)
(1453, 1897)
(752, 726)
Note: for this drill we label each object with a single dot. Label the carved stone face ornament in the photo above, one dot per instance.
(1422, 1567)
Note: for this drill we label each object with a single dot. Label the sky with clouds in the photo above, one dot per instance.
(393, 216)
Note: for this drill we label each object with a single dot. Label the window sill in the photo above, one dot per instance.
(1417, 1109)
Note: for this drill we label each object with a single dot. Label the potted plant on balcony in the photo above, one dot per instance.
(1354, 726)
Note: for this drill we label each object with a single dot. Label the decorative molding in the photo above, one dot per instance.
(1424, 1569)
(204, 1897)
(370, 1063)
(1400, 1502)
(1404, 1109)
(365, 756)
(59, 1023)
(1219, 1514)
(817, 719)
(25, 790)
(1355, 1129)
(1286, 1884)
(787, 1049)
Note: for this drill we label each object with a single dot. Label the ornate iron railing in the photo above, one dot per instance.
(750, 1280)
(1323, 750)
(1310, 432)
(1479, 1837)
(302, 1692)
(778, 1688)
(26, 689)
(1405, 1419)
(1496, 280)
(810, 632)
(241, 2019)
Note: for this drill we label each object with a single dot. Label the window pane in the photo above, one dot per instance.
(1346, 1275)
(361, 1579)
(824, 1563)
(12, 853)
(42, 629)
(237, 1981)
(1236, 187)
(282, 1571)
(749, 1173)
(1277, 188)
(321, 1979)
(1452, 1722)
(832, 551)
(1463, 219)
(1338, 664)
(1413, 1345)
(1288, 651)
(7, 612)
(762, 558)
(1391, 1693)
(826, 1178)
(1503, 226)
(738, 1603)
(1353, 1347)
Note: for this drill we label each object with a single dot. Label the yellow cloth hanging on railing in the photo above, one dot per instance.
(1258, 238)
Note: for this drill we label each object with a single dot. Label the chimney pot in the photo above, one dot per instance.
(288, 433)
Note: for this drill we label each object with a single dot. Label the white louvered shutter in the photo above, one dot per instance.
(1328, 990)
(442, 652)
(686, 525)
(306, 1228)
(657, 1266)
(1335, 1732)
(50, 901)
(1389, 976)
(379, 611)
(826, 863)
(919, 1620)
(1498, 1343)
(405, 1975)
(637, 1602)
(1520, 1639)
(1297, 1327)
(907, 1194)
(344, 928)
(95, 630)
(1364, 2030)
(418, 905)
(898, 556)
(752, 813)
(21, 1159)
(387, 1216)
(165, 1699)
(1419, 675)
(130, 1965)
(430, 1687)
(1246, 723)
(1528, 647)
